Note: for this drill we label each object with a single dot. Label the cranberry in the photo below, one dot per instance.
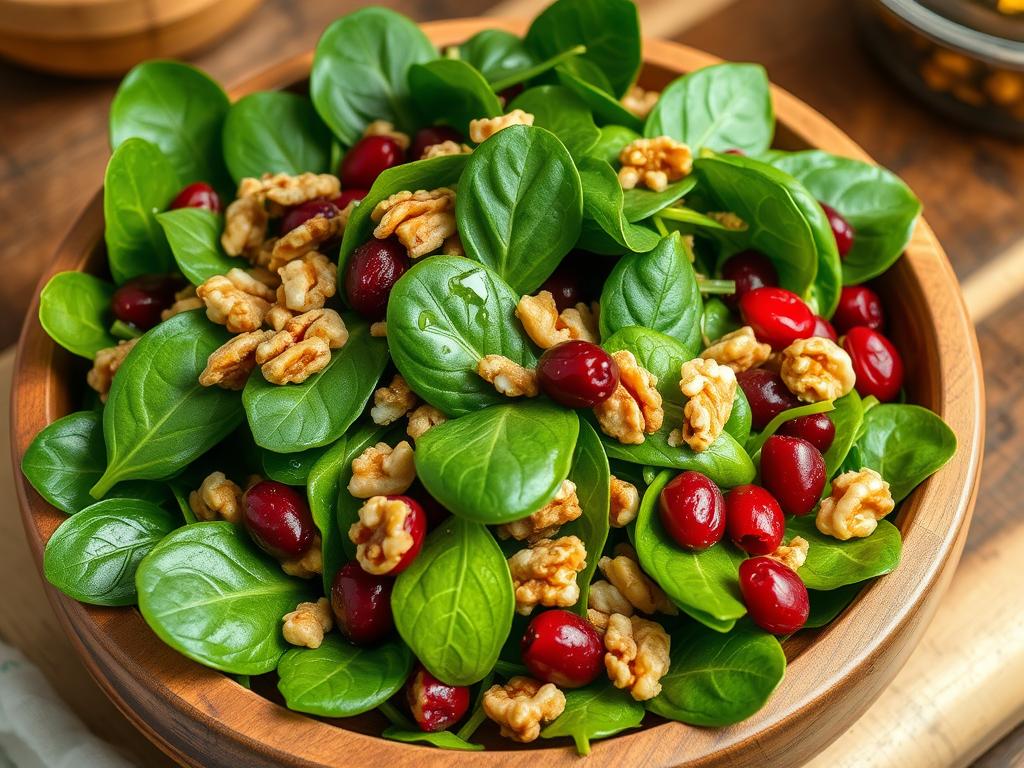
(824, 329)
(841, 230)
(692, 510)
(197, 195)
(563, 648)
(577, 374)
(302, 213)
(817, 429)
(859, 305)
(877, 364)
(346, 197)
(736, 152)
(372, 271)
(793, 471)
(434, 705)
(563, 286)
(368, 159)
(415, 524)
(278, 519)
(767, 395)
(754, 519)
(362, 604)
(778, 317)
(140, 301)
(749, 270)
(428, 137)
(775, 597)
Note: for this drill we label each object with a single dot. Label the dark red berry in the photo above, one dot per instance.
(577, 374)
(140, 301)
(859, 305)
(778, 317)
(278, 519)
(431, 135)
(767, 395)
(841, 230)
(754, 519)
(736, 152)
(775, 597)
(692, 510)
(876, 362)
(749, 270)
(562, 648)
(300, 214)
(197, 195)
(564, 287)
(372, 271)
(347, 196)
(414, 523)
(362, 604)
(793, 471)
(434, 705)
(824, 329)
(368, 159)
(817, 429)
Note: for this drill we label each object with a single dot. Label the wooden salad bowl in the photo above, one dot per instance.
(204, 718)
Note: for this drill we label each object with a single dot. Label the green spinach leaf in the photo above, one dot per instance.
(606, 108)
(194, 237)
(611, 142)
(561, 111)
(832, 563)
(718, 319)
(442, 739)
(639, 204)
(595, 712)
(605, 227)
(74, 309)
(826, 606)
(497, 54)
(291, 468)
(847, 418)
(452, 91)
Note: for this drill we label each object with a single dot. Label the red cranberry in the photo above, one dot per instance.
(749, 270)
(778, 317)
(817, 429)
(140, 301)
(859, 305)
(368, 159)
(197, 195)
(876, 362)
(278, 519)
(692, 510)
(431, 135)
(372, 271)
(767, 395)
(563, 286)
(362, 604)
(434, 705)
(841, 230)
(824, 329)
(775, 597)
(347, 196)
(736, 152)
(577, 374)
(302, 213)
(563, 648)
(793, 471)
(415, 524)
(754, 519)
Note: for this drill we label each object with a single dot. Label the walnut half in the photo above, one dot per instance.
(636, 655)
(817, 369)
(545, 573)
(654, 163)
(634, 408)
(545, 522)
(858, 501)
(421, 220)
(380, 535)
(522, 706)
(306, 625)
(710, 389)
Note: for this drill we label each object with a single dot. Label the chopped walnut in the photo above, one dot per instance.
(379, 329)
(545, 522)
(263, 255)
(794, 554)
(624, 503)
(307, 237)
(230, 364)
(302, 348)
(640, 102)
(654, 163)
(105, 364)
(245, 227)
(522, 706)
(817, 369)
(384, 128)
(287, 191)
(380, 536)
(381, 470)
(545, 573)
(710, 389)
(185, 300)
(858, 501)
(452, 245)
(306, 625)
(307, 283)
(483, 129)
(237, 300)
(727, 219)
(423, 418)
(508, 377)
(217, 499)
(619, 416)
(606, 598)
(635, 406)
(547, 328)
(392, 402)
(422, 220)
(598, 619)
(445, 148)
(637, 655)
(739, 350)
(309, 564)
(624, 572)
(278, 315)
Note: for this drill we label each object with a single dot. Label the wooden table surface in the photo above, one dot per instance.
(960, 699)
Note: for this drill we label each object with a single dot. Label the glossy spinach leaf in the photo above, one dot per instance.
(92, 556)
(718, 319)
(741, 418)
(832, 563)
(605, 227)
(611, 142)
(442, 739)
(597, 711)
(454, 604)
(209, 593)
(501, 463)
(74, 310)
(606, 108)
(194, 237)
(520, 205)
(453, 92)
(561, 111)
(291, 468)
(639, 204)
(826, 606)
(360, 71)
(660, 354)
(339, 679)
(497, 54)
(847, 418)
(297, 417)
(445, 314)
(717, 679)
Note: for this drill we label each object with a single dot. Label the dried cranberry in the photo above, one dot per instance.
(767, 395)
(368, 159)
(362, 604)
(197, 195)
(793, 471)
(824, 329)
(736, 152)
(349, 195)
(754, 519)
(302, 213)
(859, 305)
(431, 135)
(435, 705)
(140, 301)
(372, 271)
(692, 510)
(876, 362)
(278, 519)
(749, 270)
(775, 597)
(564, 287)
(841, 230)
(778, 317)
(577, 374)
(563, 648)
(817, 429)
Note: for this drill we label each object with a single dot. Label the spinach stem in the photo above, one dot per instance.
(755, 443)
(509, 669)
(121, 330)
(711, 286)
(397, 719)
(470, 726)
(531, 72)
(688, 216)
(660, 226)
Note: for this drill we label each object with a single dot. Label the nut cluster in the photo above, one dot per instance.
(817, 369)
(381, 470)
(634, 408)
(217, 498)
(739, 350)
(545, 573)
(710, 389)
(636, 655)
(421, 220)
(483, 129)
(545, 522)
(547, 327)
(522, 706)
(307, 624)
(105, 365)
(380, 535)
(858, 501)
(654, 163)
(508, 377)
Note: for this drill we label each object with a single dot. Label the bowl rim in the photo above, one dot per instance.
(844, 666)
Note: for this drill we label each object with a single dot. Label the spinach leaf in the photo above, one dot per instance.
(442, 739)
(181, 493)
(847, 418)
(454, 604)
(158, 417)
(444, 315)
(756, 441)
(639, 204)
(826, 606)
(92, 556)
(291, 468)
(74, 309)
(611, 142)
(339, 679)
(559, 110)
(452, 91)
(606, 108)
(832, 563)
(738, 424)
(660, 354)
(595, 712)
(275, 132)
(520, 205)
(501, 463)
(139, 183)
(297, 417)
(177, 108)
(194, 237)
(724, 106)
(360, 71)
(497, 54)
(209, 593)
(716, 679)
(718, 319)
(605, 226)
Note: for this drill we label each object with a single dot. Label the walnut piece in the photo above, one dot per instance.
(237, 300)
(817, 369)
(380, 536)
(309, 564)
(794, 554)
(522, 706)
(654, 163)
(636, 655)
(287, 191)
(230, 364)
(625, 574)
(307, 237)
(727, 219)
(710, 389)
(606, 598)
(483, 129)
(624, 503)
(185, 300)
(858, 501)
(640, 102)
(306, 625)
(598, 619)
(545, 522)
(384, 128)
(392, 402)
(545, 573)
(381, 470)
(508, 376)
(739, 350)
(307, 283)
(105, 364)
(423, 418)
(302, 348)
(379, 329)
(245, 227)
(422, 220)
(217, 499)
(443, 149)
(635, 406)
(619, 416)
(547, 328)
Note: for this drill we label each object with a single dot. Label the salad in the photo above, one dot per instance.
(482, 384)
